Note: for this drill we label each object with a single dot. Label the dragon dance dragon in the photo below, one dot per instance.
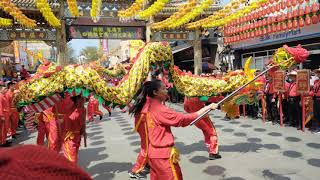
(51, 79)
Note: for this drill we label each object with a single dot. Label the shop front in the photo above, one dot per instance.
(262, 48)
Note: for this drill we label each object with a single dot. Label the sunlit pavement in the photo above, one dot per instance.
(250, 150)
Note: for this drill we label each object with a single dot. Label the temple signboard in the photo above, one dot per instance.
(106, 32)
(7, 35)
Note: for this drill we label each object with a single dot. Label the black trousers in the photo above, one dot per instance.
(316, 113)
(272, 109)
(294, 111)
(285, 110)
(252, 110)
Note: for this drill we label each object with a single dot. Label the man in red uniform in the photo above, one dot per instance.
(192, 105)
(73, 128)
(13, 112)
(294, 107)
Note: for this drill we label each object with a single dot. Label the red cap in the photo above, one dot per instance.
(37, 162)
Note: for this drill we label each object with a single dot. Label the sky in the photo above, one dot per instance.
(79, 44)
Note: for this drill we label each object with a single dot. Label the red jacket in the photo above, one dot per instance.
(159, 121)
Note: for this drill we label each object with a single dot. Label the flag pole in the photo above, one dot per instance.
(232, 94)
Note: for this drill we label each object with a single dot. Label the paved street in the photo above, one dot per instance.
(250, 150)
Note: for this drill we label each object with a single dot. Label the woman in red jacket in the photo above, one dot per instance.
(163, 156)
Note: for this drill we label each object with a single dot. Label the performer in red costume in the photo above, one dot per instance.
(73, 128)
(3, 132)
(141, 167)
(13, 112)
(4, 116)
(210, 135)
(163, 156)
(48, 126)
(93, 108)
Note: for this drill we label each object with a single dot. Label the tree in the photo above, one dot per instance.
(70, 55)
(91, 53)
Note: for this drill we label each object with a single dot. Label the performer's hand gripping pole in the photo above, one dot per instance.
(232, 94)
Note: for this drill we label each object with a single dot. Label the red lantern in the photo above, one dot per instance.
(295, 23)
(269, 20)
(278, 27)
(283, 5)
(315, 8)
(274, 19)
(269, 29)
(256, 33)
(300, 1)
(252, 34)
(290, 15)
(279, 18)
(290, 24)
(271, 1)
(251, 17)
(314, 19)
(273, 9)
(301, 11)
(283, 26)
(308, 9)
(294, 3)
(301, 22)
(308, 20)
(264, 31)
(251, 25)
(278, 7)
(268, 10)
(264, 12)
(295, 13)
(264, 22)
(259, 23)
(289, 4)
(274, 28)
(284, 17)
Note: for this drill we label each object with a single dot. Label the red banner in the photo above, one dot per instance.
(303, 81)
(279, 81)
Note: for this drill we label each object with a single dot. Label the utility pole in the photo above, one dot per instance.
(61, 38)
(197, 53)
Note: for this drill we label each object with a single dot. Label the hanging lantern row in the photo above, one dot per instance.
(269, 9)
(274, 28)
(271, 20)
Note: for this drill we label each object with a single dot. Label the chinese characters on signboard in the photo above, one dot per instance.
(279, 81)
(303, 81)
(175, 36)
(26, 35)
(99, 32)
